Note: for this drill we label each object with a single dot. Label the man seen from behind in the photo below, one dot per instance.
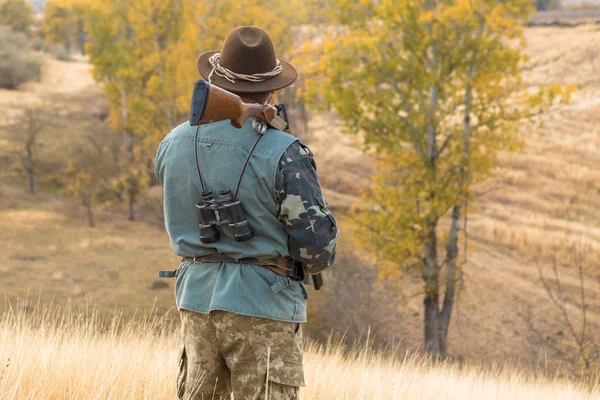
(241, 313)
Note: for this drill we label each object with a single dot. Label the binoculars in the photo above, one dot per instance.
(213, 213)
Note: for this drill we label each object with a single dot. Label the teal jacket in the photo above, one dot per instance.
(283, 224)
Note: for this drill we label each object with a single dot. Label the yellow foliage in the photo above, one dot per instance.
(145, 53)
(63, 22)
(17, 14)
(436, 88)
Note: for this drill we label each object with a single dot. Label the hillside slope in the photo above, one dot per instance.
(539, 204)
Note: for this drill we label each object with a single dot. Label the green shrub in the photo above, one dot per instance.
(38, 44)
(17, 14)
(18, 64)
(60, 53)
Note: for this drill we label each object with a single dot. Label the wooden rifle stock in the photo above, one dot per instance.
(210, 103)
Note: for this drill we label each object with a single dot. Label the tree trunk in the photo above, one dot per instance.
(31, 182)
(431, 272)
(90, 215)
(433, 339)
(433, 344)
(170, 117)
(29, 168)
(132, 200)
(81, 36)
(119, 194)
(303, 114)
(457, 210)
(86, 201)
(131, 181)
(451, 261)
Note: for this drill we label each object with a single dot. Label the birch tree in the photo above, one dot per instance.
(115, 56)
(435, 87)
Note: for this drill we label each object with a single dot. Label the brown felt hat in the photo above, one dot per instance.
(248, 50)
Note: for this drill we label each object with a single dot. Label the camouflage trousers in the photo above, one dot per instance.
(230, 356)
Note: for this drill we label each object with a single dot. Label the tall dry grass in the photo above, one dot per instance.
(69, 355)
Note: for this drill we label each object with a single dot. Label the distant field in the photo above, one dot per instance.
(566, 17)
(48, 252)
(579, 3)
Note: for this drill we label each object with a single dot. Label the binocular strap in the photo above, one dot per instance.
(246, 163)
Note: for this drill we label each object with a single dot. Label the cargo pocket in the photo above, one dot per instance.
(181, 377)
(286, 373)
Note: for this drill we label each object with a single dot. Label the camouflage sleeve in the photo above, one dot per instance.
(310, 225)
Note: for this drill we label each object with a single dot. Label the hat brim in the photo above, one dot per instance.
(286, 77)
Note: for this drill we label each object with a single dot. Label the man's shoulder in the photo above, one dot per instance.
(275, 142)
(276, 132)
(184, 130)
(297, 150)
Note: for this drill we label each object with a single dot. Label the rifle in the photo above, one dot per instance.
(210, 103)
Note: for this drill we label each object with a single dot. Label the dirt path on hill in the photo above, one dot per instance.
(58, 78)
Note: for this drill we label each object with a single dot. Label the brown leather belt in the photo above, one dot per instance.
(277, 265)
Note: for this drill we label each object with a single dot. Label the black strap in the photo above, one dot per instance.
(239, 183)
(197, 160)
(246, 163)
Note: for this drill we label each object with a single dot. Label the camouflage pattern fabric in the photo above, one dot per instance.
(310, 225)
(225, 355)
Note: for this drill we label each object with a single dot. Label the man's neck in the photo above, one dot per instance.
(250, 101)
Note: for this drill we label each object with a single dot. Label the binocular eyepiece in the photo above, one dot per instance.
(207, 217)
(225, 210)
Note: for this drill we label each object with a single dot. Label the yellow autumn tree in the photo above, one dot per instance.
(435, 86)
(64, 23)
(17, 14)
(115, 58)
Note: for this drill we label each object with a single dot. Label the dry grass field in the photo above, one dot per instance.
(539, 203)
(78, 357)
